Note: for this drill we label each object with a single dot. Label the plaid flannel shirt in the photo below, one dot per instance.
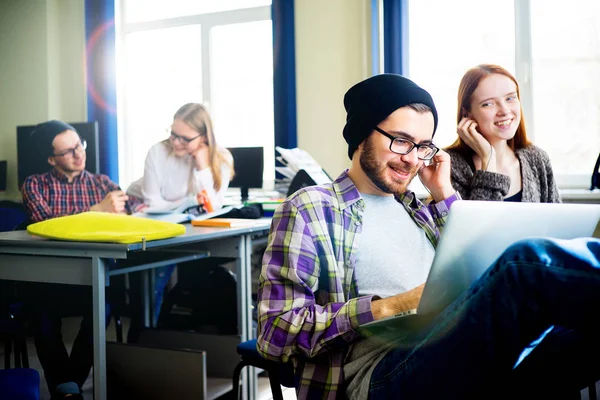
(308, 303)
(51, 195)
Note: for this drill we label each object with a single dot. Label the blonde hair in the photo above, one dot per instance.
(197, 117)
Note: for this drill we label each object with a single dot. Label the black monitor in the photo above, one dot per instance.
(31, 162)
(248, 163)
(3, 168)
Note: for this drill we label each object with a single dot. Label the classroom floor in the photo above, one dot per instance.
(70, 327)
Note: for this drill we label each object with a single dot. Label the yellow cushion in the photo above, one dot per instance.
(94, 226)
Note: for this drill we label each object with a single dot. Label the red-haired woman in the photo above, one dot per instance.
(492, 159)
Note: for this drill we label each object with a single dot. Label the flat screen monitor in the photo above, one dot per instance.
(3, 168)
(248, 163)
(31, 162)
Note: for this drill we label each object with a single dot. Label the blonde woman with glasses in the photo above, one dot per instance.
(186, 167)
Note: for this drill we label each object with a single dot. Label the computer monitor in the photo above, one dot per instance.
(31, 162)
(3, 168)
(248, 163)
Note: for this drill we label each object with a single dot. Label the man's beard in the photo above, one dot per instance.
(376, 171)
(70, 170)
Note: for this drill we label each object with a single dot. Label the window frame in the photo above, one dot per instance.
(207, 22)
(523, 71)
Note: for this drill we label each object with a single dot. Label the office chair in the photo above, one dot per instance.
(12, 329)
(12, 334)
(19, 384)
(279, 374)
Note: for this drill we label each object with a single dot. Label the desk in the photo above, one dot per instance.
(580, 196)
(27, 258)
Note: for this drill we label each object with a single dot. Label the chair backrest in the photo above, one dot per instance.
(190, 304)
(12, 215)
(19, 384)
(596, 175)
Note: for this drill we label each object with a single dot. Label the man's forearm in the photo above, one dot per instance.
(387, 307)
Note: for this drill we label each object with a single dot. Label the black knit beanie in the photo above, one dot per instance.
(44, 134)
(371, 101)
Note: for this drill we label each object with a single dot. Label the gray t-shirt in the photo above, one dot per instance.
(394, 256)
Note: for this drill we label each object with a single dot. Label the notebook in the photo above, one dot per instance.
(475, 235)
(179, 218)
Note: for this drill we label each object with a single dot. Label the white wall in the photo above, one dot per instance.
(332, 53)
(42, 45)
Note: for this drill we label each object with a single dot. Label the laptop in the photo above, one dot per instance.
(475, 235)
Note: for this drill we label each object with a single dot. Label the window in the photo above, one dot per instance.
(565, 59)
(219, 53)
(152, 10)
(553, 49)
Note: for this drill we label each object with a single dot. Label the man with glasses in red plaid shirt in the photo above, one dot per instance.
(66, 190)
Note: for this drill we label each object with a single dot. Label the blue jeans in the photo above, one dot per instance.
(161, 279)
(162, 276)
(470, 350)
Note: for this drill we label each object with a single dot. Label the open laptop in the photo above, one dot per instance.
(476, 234)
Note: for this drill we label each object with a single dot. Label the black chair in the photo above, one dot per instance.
(13, 335)
(19, 384)
(279, 374)
(12, 327)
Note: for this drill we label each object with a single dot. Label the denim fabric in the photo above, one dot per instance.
(471, 348)
(161, 279)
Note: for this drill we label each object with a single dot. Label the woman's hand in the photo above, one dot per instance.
(467, 131)
(200, 156)
(436, 176)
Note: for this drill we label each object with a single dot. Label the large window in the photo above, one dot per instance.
(217, 52)
(553, 48)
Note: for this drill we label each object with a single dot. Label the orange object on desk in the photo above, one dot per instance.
(225, 222)
(207, 204)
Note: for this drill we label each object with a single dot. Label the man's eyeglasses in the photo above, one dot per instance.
(69, 153)
(403, 146)
(182, 139)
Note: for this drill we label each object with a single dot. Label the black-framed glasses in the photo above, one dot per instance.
(182, 139)
(403, 146)
(80, 148)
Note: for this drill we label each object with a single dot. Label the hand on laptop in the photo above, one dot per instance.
(383, 308)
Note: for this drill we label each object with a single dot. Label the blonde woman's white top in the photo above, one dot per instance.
(166, 180)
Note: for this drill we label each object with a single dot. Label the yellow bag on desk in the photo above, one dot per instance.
(94, 226)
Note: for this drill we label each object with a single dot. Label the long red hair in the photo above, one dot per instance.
(468, 85)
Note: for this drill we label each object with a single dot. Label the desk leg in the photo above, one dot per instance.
(244, 273)
(98, 290)
(151, 286)
(146, 297)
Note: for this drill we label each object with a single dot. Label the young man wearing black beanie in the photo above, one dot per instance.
(67, 189)
(343, 254)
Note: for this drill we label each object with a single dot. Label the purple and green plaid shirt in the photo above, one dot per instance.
(308, 303)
